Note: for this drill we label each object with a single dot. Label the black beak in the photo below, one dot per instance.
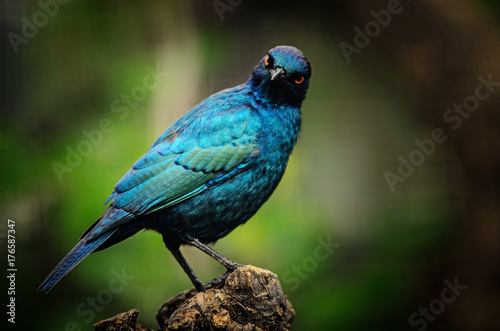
(277, 73)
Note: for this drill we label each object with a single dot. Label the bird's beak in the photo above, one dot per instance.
(277, 73)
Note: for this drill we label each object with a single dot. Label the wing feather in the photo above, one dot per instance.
(186, 160)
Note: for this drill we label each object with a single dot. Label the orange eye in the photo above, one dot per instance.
(266, 61)
(299, 80)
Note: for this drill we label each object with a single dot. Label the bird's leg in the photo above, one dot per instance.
(230, 265)
(187, 269)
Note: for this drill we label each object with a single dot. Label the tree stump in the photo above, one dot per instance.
(126, 321)
(249, 298)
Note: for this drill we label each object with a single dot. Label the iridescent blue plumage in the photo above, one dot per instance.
(211, 170)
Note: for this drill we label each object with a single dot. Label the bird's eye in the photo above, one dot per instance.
(267, 61)
(299, 80)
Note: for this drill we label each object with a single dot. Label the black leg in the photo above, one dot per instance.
(230, 265)
(187, 269)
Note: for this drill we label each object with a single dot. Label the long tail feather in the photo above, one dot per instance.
(75, 256)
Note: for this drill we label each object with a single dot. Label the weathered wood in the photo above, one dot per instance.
(249, 298)
(126, 321)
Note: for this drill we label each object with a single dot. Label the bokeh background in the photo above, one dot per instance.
(351, 253)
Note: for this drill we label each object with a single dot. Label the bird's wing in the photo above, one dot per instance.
(195, 153)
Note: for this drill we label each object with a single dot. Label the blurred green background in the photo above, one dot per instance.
(389, 252)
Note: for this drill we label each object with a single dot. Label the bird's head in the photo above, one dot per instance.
(282, 76)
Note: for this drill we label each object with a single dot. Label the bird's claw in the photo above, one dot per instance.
(233, 266)
(222, 278)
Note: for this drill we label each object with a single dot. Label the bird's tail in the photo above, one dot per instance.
(75, 256)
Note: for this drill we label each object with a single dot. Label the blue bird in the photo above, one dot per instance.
(210, 171)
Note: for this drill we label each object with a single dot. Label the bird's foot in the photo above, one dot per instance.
(222, 278)
(217, 281)
(199, 286)
(233, 266)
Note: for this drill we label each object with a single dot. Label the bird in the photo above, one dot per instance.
(210, 171)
